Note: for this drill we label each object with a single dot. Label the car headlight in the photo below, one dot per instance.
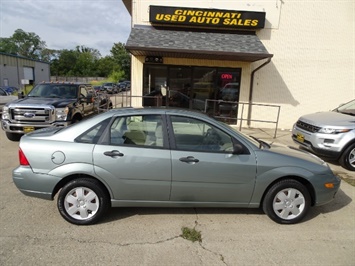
(329, 130)
(5, 113)
(61, 113)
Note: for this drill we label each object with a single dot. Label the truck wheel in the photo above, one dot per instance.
(75, 119)
(347, 159)
(13, 136)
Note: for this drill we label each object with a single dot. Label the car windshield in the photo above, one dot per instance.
(253, 140)
(66, 91)
(348, 108)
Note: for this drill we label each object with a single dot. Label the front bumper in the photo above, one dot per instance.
(325, 195)
(23, 128)
(327, 145)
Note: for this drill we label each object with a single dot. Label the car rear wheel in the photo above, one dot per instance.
(83, 201)
(287, 202)
(347, 159)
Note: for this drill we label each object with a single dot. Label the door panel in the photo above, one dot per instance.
(203, 166)
(137, 174)
(214, 178)
(135, 159)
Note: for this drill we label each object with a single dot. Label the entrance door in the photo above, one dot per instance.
(179, 84)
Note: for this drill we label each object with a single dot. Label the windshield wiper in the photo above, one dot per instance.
(262, 144)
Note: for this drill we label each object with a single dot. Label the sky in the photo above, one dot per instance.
(65, 24)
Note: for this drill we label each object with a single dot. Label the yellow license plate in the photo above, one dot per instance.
(300, 137)
(28, 129)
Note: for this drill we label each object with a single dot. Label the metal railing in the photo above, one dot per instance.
(235, 115)
(234, 111)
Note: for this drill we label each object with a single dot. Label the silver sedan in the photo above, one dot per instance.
(167, 157)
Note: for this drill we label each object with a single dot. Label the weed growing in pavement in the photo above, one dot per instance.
(191, 234)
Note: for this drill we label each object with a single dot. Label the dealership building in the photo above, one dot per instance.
(18, 71)
(277, 59)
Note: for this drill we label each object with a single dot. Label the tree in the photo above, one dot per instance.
(65, 63)
(106, 65)
(122, 57)
(27, 44)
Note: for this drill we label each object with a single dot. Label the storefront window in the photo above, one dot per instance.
(190, 87)
(154, 78)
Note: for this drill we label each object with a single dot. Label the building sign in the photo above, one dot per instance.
(206, 17)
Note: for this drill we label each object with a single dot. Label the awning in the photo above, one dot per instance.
(196, 45)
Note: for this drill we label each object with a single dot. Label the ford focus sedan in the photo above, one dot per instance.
(167, 158)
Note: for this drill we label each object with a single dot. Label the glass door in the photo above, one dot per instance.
(179, 86)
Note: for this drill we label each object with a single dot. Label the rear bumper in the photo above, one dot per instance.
(34, 185)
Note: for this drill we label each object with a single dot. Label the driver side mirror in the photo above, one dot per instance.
(238, 149)
(21, 95)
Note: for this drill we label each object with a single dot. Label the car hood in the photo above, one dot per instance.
(323, 119)
(281, 154)
(30, 101)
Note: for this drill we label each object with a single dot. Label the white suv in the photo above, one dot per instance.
(329, 134)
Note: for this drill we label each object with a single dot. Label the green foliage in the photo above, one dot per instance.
(115, 76)
(191, 234)
(27, 44)
(122, 58)
(82, 61)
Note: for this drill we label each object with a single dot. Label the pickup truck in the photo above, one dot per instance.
(50, 104)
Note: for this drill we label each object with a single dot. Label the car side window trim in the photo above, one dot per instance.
(208, 143)
(143, 131)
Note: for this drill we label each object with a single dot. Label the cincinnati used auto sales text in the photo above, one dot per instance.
(207, 17)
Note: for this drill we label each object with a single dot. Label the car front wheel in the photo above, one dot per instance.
(347, 159)
(287, 202)
(83, 201)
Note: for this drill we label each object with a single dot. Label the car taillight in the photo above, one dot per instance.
(22, 157)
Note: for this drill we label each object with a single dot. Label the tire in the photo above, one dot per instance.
(347, 159)
(287, 202)
(75, 119)
(83, 201)
(13, 136)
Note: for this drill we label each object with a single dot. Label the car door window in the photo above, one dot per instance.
(93, 134)
(196, 135)
(83, 92)
(137, 130)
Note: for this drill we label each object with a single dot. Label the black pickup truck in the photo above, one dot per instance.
(51, 105)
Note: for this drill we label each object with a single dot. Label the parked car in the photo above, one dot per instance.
(167, 157)
(109, 87)
(5, 98)
(229, 96)
(329, 134)
(51, 104)
(10, 89)
(124, 86)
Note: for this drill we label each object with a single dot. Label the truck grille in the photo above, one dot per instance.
(307, 127)
(32, 115)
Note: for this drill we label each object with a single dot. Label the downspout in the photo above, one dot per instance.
(252, 87)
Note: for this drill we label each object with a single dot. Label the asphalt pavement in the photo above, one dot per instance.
(32, 232)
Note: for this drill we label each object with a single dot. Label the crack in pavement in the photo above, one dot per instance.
(220, 256)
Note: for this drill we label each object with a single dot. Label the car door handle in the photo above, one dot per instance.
(113, 153)
(189, 159)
